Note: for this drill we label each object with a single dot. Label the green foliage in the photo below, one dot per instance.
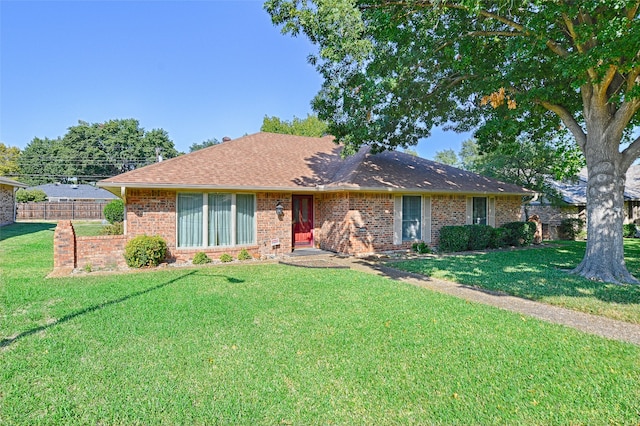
(421, 247)
(30, 195)
(9, 156)
(448, 157)
(204, 144)
(454, 238)
(93, 151)
(226, 257)
(144, 250)
(519, 233)
(629, 230)
(310, 126)
(116, 228)
(201, 258)
(499, 238)
(479, 237)
(570, 228)
(114, 211)
(244, 255)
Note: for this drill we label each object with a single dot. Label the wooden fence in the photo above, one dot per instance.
(63, 210)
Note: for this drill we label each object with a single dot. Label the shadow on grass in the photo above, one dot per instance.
(99, 306)
(24, 228)
(533, 274)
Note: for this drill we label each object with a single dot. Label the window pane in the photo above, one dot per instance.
(189, 220)
(411, 216)
(220, 219)
(245, 223)
(479, 210)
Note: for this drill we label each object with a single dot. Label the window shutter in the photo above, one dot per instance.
(469, 210)
(426, 219)
(491, 214)
(397, 220)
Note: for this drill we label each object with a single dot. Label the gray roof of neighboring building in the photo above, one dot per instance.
(576, 193)
(76, 192)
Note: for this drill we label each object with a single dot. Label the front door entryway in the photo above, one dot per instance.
(302, 220)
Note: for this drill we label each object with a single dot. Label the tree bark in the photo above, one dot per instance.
(604, 256)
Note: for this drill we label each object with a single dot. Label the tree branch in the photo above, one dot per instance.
(569, 121)
(631, 153)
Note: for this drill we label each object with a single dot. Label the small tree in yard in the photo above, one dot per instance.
(114, 211)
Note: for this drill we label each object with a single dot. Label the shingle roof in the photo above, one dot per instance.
(11, 182)
(75, 192)
(576, 193)
(270, 161)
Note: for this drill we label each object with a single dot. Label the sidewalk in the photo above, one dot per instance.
(593, 324)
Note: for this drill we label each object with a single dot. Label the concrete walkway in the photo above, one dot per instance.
(593, 324)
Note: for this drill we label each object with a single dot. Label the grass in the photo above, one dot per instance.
(275, 344)
(540, 274)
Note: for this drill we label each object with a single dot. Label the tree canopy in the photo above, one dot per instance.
(94, 151)
(310, 126)
(510, 70)
(9, 160)
(204, 144)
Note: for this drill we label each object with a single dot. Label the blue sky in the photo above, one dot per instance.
(197, 69)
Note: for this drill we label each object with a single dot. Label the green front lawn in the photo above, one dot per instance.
(275, 344)
(540, 274)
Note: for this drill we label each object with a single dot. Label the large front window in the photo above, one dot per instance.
(411, 218)
(216, 219)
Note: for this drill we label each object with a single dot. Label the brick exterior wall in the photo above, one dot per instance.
(153, 212)
(7, 206)
(351, 223)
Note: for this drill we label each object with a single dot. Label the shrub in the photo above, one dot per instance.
(479, 237)
(114, 211)
(421, 248)
(201, 258)
(520, 233)
(226, 257)
(499, 238)
(28, 195)
(145, 251)
(454, 238)
(629, 230)
(116, 228)
(244, 255)
(570, 228)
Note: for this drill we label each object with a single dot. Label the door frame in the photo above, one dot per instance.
(311, 216)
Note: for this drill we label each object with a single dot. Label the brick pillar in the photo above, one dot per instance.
(64, 245)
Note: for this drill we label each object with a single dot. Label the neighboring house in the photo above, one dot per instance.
(8, 188)
(58, 192)
(272, 193)
(574, 202)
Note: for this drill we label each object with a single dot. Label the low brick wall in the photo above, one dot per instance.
(71, 251)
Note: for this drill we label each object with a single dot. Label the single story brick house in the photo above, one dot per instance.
(272, 193)
(8, 188)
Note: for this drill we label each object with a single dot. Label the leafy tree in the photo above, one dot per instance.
(94, 151)
(393, 69)
(310, 126)
(410, 152)
(9, 160)
(27, 195)
(447, 156)
(469, 152)
(204, 144)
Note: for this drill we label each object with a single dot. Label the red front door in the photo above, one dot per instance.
(302, 220)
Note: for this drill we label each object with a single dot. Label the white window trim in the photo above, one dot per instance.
(490, 212)
(425, 225)
(205, 219)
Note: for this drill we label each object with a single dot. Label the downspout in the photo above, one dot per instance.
(123, 195)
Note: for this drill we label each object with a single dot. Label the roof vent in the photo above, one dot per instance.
(226, 139)
(74, 186)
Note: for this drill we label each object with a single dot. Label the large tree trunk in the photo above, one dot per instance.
(604, 256)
